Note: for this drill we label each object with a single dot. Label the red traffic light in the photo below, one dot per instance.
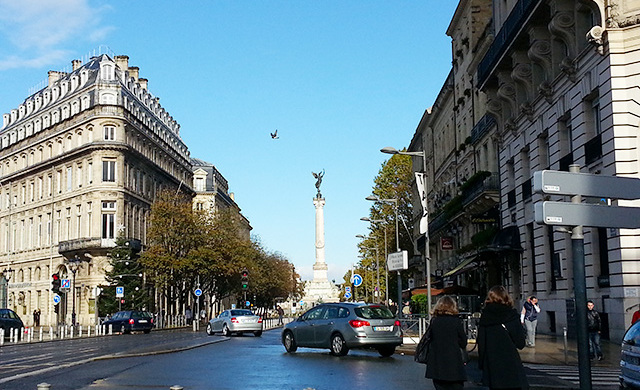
(55, 277)
(245, 273)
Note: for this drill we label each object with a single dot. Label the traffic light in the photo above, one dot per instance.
(245, 279)
(55, 283)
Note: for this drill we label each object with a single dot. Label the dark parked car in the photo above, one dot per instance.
(342, 326)
(131, 321)
(630, 358)
(9, 320)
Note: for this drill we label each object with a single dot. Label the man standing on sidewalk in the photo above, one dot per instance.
(529, 318)
(593, 326)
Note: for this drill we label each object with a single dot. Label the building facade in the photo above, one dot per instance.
(212, 192)
(560, 84)
(80, 161)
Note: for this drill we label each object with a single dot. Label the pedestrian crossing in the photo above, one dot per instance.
(601, 377)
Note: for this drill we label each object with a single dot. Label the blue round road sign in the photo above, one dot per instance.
(56, 299)
(198, 292)
(347, 295)
(356, 279)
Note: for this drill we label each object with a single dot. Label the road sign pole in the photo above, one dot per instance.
(580, 291)
(399, 295)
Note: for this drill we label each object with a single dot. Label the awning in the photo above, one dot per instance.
(463, 266)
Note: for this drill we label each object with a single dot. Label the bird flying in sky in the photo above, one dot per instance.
(275, 135)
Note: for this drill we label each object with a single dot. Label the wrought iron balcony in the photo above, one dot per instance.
(507, 34)
(482, 127)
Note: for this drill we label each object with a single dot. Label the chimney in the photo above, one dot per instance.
(76, 64)
(143, 83)
(232, 196)
(54, 76)
(133, 72)
(122, 62)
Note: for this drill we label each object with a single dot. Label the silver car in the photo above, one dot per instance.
(630, 360)
(235, 321)
(343, 326)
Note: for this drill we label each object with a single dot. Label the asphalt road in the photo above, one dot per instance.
(241, 362)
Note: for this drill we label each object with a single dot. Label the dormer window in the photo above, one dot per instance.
(106, 72)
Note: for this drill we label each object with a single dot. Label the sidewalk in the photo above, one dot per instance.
(549, 350)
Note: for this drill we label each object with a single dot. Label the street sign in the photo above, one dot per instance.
(233, 306)
(584, 214)
(197, 292)
(356, 280)
(247, 303)
(397, 261)
(347, 295)
(347, 289)
(119, 292)
(65, 283)
(585, 184)
(56, 299)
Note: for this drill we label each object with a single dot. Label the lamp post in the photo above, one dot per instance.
(425, 215)
(74, 264)
(386, 275)
(4, 288)
(374, 198)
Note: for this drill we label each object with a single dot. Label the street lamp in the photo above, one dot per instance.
(4, 287)
(386, 276)
(425, 214)
(374, 198)
(74, 264)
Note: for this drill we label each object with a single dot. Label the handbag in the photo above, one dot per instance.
(422, 349)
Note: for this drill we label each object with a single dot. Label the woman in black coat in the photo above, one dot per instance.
(444, 359)
(500, 335)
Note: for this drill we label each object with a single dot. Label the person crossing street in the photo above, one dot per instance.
(529, 318)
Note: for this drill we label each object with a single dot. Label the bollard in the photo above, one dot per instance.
(564, 334)
(176, 387)
(20, 336)
(110, 329)
(194, 323)
(1, 336)
(50, 333)
(40, 336)
(43, 386)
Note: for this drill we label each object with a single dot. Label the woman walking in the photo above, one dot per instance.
(444, 359)
(500, 335)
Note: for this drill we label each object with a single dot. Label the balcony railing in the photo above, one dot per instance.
(482, 127)
(507, 34)
(490, 183)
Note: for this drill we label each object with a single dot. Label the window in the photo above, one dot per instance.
(79, 177)
(90, 173)
(109, 170)
(108, 226)
(199, 183)
(109, 133)
(69, 179)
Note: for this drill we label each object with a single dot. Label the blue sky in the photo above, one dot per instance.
(338, 79)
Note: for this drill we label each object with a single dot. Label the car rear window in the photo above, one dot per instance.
(241, 313)
(374, 312)
(632, 337)
(137, 315)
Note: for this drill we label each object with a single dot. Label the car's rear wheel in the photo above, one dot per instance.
(209, 330)
(225, 330)
(257, 333)
(387, 350)
(289, 342)
(338, 346)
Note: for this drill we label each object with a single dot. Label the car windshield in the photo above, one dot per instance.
(241, 313)
(374, 312)
(140, 315)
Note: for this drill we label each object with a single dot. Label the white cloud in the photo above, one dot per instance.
(35, 31)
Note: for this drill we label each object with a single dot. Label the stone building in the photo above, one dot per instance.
(212, 192)
(560, 80)
(80, 160)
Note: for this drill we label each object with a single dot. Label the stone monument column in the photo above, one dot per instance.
(320, 266)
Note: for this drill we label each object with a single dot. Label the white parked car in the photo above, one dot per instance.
(235, 321)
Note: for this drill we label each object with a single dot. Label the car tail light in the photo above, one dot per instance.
(397, 323)
(132, 321)
(259, 320)
(235, 320)
(358, 323)
(152, 320)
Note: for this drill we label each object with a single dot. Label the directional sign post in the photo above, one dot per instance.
(356, 279)
(56, 299)
(398, 261)
(576, 215)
